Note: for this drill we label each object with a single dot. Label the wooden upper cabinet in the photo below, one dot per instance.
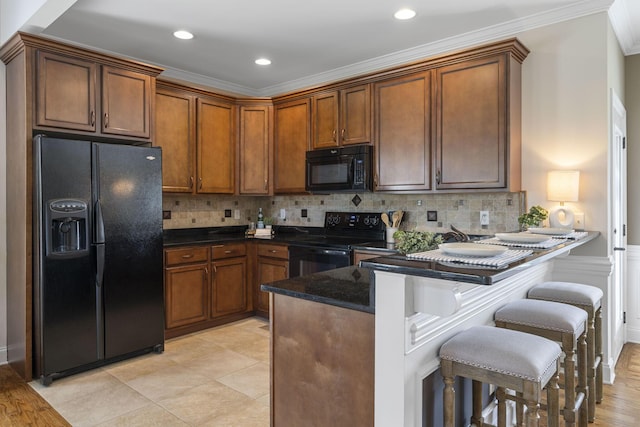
(342, 117)
(66, 94)
(126, 103)
(175, 133)
(292, 135)
(68, 98)
(255, 149)
(216, 147)
(472, 124)
(403, 133)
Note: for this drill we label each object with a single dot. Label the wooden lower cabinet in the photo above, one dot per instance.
(322, 366)
(204, 287)
(272, 265)
(229, 286)
(186, 295)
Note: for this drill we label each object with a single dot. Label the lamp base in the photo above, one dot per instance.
(561, 217)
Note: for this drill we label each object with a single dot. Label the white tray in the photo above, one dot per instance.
(522, 237)
(550, 231)
(471, 249)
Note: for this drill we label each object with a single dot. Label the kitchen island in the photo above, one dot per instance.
(415, 306)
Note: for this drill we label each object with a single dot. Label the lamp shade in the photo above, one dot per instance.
(563, 186)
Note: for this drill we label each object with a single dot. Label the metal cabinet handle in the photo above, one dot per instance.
(106, 120)
(187, 256)
(93, 118)
(342, 133)
(227, 251)
(266, 183)
(190, 182)
(200, 183)
(619, 249)
(333, 135)
(438, 176)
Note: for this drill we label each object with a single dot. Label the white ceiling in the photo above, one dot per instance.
(310, 42)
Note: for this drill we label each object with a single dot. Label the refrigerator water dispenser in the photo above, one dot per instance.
(67, 231)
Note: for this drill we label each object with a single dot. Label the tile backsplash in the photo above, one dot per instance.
(461, 210)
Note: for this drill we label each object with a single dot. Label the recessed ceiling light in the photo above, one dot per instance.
(263, 61)
(182, 34)
(403, 14)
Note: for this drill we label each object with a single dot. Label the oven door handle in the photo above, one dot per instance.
(326, 251)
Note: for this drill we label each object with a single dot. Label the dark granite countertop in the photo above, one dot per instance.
(216, 235)
(468, 273)
(347, 287)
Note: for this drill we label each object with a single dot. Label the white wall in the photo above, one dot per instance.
(565, 115)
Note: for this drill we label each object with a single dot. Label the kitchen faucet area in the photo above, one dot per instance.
(319, 213)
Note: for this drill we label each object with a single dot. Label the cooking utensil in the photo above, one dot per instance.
(385, 219)
(400, 215)
(394, 218)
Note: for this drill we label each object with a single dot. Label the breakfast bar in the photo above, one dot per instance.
(410, 308)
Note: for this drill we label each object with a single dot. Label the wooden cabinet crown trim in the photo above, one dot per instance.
(22, 40)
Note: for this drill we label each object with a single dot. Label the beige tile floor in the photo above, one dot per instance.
(218, 377)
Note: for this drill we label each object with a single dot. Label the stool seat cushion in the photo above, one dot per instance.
(567, 292)
(554, 316)
(505, 351)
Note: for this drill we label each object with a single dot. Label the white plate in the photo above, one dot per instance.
(522, 237)
(550, 231)
(472, 249)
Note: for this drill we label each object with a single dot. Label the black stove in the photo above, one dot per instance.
(333, 249)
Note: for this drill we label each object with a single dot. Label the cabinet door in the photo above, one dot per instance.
(403, 133)
(186, 295)
(254, 149)
(229, 286)
(175, 133)
(126, 103)
(355, 115)
(325, 120)
(292, 134)
(269, 270)
(66, 92)
(471, 124)
(216, 147)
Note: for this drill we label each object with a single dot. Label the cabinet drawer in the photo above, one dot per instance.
(228, 250)
(274, 251)
(186, 255)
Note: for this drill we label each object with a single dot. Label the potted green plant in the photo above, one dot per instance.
(533, 218)
(268, 221)
(408, 242)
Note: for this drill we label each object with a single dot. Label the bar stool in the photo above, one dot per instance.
(566, 325)
(588, 298)
(508, 359)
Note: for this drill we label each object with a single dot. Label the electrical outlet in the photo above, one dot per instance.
(236, 214)
(283, 213)
(578, 220)
(484, 217)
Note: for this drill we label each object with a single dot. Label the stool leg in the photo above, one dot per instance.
(598, 340)
(569, 383)
(519, 409)
(532, 415)
(449, 402)
(582, 379)
(501, 395)
(591, 364)
(553, 397)
(476, 417)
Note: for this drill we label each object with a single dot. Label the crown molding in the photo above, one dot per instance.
(628, 35)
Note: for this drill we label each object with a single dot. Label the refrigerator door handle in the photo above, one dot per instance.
(98, 224)
(99, 264)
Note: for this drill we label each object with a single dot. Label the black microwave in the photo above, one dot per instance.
(340, 169)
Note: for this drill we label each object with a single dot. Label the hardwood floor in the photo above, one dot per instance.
(20, 405)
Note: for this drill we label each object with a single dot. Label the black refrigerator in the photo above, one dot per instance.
(98, 281)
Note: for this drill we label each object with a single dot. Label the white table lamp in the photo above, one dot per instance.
(562, 186)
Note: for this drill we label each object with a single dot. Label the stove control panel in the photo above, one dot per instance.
(353, 221)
